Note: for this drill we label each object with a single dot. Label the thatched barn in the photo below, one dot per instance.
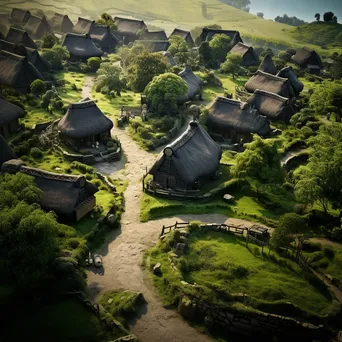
(127, 29)
(69, 196)
(37, 27)
(290, 74)
(17, 72)
(249, 56)
(208, 34)
(81, 47)
(188, 162)
(42, 65)
(61, 23)
(155, 45)
(194, 83)
(20, 16)
(104, 38)
(153, 35)
(17, 36)
(273, 84)
(273, 106)
(268, 66)
(84, 124)
(6, 153)
(235, 120)
(186, 35)
(307, 58)
(83, 26)
(169, 57)
(10, 115)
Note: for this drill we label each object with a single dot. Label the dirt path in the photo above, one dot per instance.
(87, 86)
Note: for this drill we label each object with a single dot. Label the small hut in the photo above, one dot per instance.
(186, 35)
(235, 120)
(154, 45)
(290, 74)
(17, 72)
(10, 115)
(6, 153)
(273, 84)
(20, 16)
(273, 106)
(154, 35)
(104, 38)
(81, 47)
(188, 162)
(268, 66)
(83, 26)
(17, 36)
(61, 23)
(171, 60)
(33, 55)
(208, 34)
(307, 58)
(37, 27)
(127, 29)
(194, 83)
(249, 56)
(84, 124)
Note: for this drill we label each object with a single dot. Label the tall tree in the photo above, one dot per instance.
(206, 55)
(107, 20)
(317, 16)
(260, 15)
(109, 75)
(221, 45)
(179, 49)
(232, 65)
(328, 16)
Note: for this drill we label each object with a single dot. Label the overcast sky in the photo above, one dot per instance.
(302, 9)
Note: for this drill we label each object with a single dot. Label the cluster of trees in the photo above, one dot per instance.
(293, 21)
(107, 20)
(56, 55)
(328, 17)
(182, 53)
(241, 4)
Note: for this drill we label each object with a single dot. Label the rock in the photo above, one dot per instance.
(110, 300)
(208, 321)
(187, 308)
(157, 269)
(180, 248)
(111, 219)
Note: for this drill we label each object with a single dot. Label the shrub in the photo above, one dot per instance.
(299, 209)
(314, 126)
(57, 104)
(38, 87)
(307, 131)
(94, 63)
(329, 252)
(36, 153)
(144, 133)
(104, 90)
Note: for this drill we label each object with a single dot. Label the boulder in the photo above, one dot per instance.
(187, 308)
(157, 269)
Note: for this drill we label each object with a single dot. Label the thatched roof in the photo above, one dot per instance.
(170, 58)
(273, 84)
(6, 153)
(103, 36)
(268, 66)
(129, 26)
(306, 57)
(155, 46)
(20, 16)
(37, 27)
(84, 119)
(194, 83)
(154, 35)
(290, 74)
(9, 112)
(184, 34)
(208, 34)
(16, 71)
(194, 154)
(228, 114)
(81, 46)
(61, 23)
(246, 52)
(271, 105)
(20, 37)
(83, 26)
(33, 55)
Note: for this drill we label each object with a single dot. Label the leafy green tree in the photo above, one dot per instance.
(260, 15)
(232, 65)
(38, 87)
(128, 55)
(107, 20)
(164, 91)
(317, 16)
(109, 75)
(144, 68)
(94, 63)
(49, 40)
(54, 59)
(179, 49)
(206, 55)
(328, 16)
(221, 45)
(61, 51)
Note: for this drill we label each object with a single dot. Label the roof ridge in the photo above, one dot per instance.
(184, 138)
(83, 104)
(274, 77)
(270, 94)
(12, 55)
(231, 101)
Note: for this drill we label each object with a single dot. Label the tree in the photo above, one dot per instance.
(144, 68)
(94, 63)
(107, 20)
(232, 65)
(109, 75)
(52, 57)
(221, 45)
(317, 16)
(260, 15)
(164, 91)
(293, 21)
(49, 40)
(38, 87)
(61, 51)
(128, 55)
(206, 55)
(328, 16)
(179, 49)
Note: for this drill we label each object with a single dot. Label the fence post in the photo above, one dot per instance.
(162, 230)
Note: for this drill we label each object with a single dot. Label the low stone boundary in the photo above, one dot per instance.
(106, 181)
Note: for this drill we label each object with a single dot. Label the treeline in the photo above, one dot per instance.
(293, 21)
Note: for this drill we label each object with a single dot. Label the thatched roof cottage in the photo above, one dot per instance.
(83, 26)
(127, 29)
(307, 58)
(273, 84)
(69, 196)
(194, 83)
(61, 23)
(153, 35)
(249, 56)
(268, 66)
(208, 34)
(81, 47)
(6, 153)
(17, 36)
(235, 120)
(290, 74)
(20, 16)
(84, 124)
(104, 38)
(10, 115)
(17, 72)
(186, 35)
(37, 27)
(188, 161)
(273, 106)
(154, 45)
(33, 55)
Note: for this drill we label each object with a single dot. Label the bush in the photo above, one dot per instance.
(307, 131)
(329, 252)
(299, 209)
(94, 63)
(36, 153)
(313, 125)
(57, 104)
(38, 87)
(144, 133)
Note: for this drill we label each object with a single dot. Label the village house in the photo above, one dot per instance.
(10, 116)
(153, 35)
(83, 26)
(249, 56)
(154, 45)
(194, 84)
(169, 57)
(186, 35)
(20, 16)
(61, 23)
(307, 58)
(290, 74)
(104, 38)
(37, 27)
(17, 36)
(268, 66)
(127, 29)
(208, 34)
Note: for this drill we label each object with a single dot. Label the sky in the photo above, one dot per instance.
(302, 9)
